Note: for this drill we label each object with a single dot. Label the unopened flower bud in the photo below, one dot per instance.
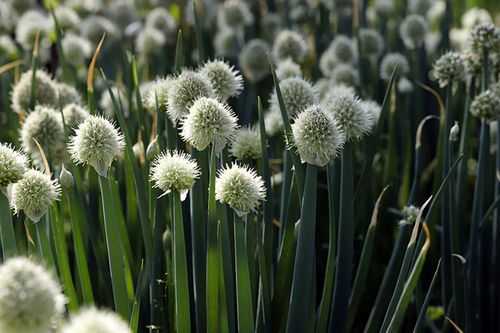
(66, 178)
(454, 132)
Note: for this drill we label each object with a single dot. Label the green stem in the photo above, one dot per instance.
(389, 279)
(304, 259)
(213, 270)
(182, 306)
(7, 234)
(445, 206)
(63, 260)
(79, 247)
(42, 234)
(198, 201)
(343, 274)
(326, 300)
(243, 285)
(115, 255)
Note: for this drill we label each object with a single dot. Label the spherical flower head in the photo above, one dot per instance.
(410, 213)
(86, 7)
(351, 117)
(8, 48)
(184, 91)
(156, 94)
(235, 14)
(413, 30)
(246, 144)
(287, 69)
(253, 60)
(149, 41)
(13, 165)
(31, 23)
(227, 43)
(371, 42)
(225, 79)
(486, 105)
(289, 44)
(327, 62)
(273, 121)
(484, 36)
(67, 18)
(34, 194)
(345, 74)
(390, 62)
(420, 7)
(107, 105)
(31, 300)
(97, 142)
(473, 62)
(297, 93)
(209, 122)
(475, 16)
(8, 16)
(94, 26)
(448, 68)
(122, 13)
(316, 136)
(322, 87)
(174, 171)
(240, 188)
(405, 86)
(344, 49)
(76, 49)
(91, 320)
(300, 13)
(45, 91)
(384, 7)
(45, 126)
(160, 19)
(271, 23)
(372, 108)
(67, 94)
(74, 115)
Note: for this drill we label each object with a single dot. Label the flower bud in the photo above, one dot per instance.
(66, 178)
(454, 132)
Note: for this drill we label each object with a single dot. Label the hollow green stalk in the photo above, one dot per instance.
(303, 267)
(114, 247)
(345, 248)
(243, 286)
(213, 262)
(182, 306)
(7, 234)
(43, 242)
